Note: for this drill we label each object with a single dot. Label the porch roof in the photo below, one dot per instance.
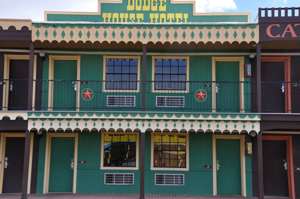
(142, 122)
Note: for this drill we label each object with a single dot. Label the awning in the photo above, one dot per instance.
(142, 122)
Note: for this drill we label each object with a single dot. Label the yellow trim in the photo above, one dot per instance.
(193, 2)
(3, 137)
(241, 60)
(48, 158)
(242, 161)
(122, 57)
(52, 59)
(187, 58)
(6, 70)
(171, 169)
(119, 168)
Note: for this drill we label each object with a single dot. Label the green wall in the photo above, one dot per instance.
(90, 178)
(200, 75)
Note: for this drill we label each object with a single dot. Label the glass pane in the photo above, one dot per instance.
(119, 150)
(169, 151)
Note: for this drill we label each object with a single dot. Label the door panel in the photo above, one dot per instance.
(14, 160)
(65, 76)
(18, 89)
(275, 168)
(297, 163)
(1, 78)
(228, 90)
(228, 167)
(296, 84)
(61, 171)
(273, 96)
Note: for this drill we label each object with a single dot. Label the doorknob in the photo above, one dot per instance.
(282, 88)
(72, 164)
(11, 86)
(218, 165)
(285, 165)
(74, 85)
(217, 88)
(5, 162)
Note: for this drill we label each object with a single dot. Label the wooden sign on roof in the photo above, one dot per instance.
(147, 11)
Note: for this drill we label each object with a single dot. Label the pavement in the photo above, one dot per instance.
(78, 196)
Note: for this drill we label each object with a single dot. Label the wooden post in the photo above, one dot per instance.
(258, 79)
(143, 81)
(259, 142)
(27, 133)
(142, 164)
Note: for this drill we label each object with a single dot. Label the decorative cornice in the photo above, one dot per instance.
(146, 33)
(178, 122)
(16, 24)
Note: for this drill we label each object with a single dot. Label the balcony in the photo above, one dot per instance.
(86, 95)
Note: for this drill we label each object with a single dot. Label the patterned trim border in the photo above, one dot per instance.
(178, 122)
(240, 33)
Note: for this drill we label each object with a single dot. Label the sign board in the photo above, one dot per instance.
(146, 11)
(279, 24)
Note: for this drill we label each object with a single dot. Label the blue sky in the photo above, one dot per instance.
(34, 9)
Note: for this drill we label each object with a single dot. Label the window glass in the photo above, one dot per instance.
(170, 74)
(121, 74)
(119, 150)
(169, 151)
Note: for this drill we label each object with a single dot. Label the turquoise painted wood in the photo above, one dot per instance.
(198, 179)
(61, 173)
(227, 78)
(65, 75)
(229, 171)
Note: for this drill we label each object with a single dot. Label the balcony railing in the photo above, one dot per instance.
(87, 95)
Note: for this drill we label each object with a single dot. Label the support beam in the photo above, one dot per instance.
(27, 133)
(143, 82)
(26, 166)
(30, 77)
(142, 164)
(260, 174)
(258, 79)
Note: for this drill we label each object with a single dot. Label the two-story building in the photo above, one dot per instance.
(141, 98)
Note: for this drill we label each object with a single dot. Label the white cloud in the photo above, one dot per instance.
(215, 5)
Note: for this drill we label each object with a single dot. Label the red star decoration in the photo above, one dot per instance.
(87, 94)
(201, 95)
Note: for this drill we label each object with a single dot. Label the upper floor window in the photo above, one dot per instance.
(170, 74)
(121, 73)
(119, 150)
(170, 151)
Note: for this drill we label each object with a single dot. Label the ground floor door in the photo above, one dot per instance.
(61, 165)
(13, 164)
(228, 167)
(275, 168)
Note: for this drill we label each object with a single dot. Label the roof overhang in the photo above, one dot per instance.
(143, 122)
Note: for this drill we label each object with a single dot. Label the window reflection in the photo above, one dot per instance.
(120, 150)
(121, 74)
(169, 151)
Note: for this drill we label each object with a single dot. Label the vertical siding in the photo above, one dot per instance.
(45, 79)
(41, 164)
(295, 77)
(1, 77)
(296, 143)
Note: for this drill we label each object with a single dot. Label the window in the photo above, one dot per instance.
(121, 74)
(119, 150)
(169, 151)
(170, 74)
